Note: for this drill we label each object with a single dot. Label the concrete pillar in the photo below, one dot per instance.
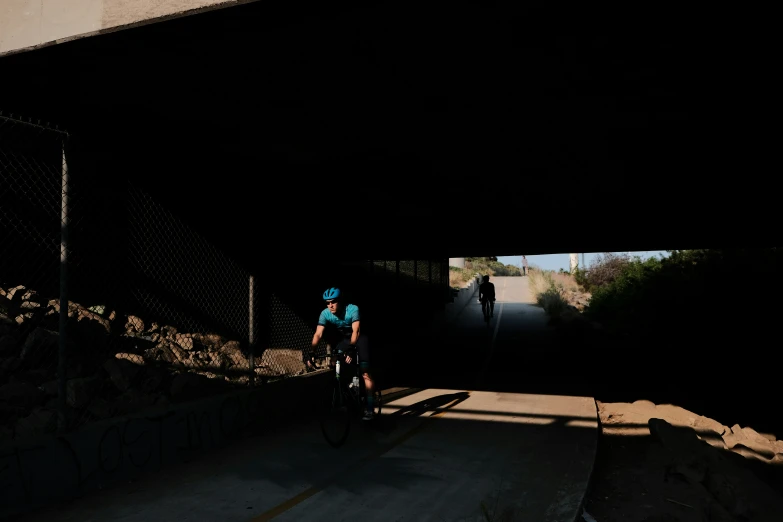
(574, 261)
(459, 262)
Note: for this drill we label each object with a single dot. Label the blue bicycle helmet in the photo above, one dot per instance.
(332, 293)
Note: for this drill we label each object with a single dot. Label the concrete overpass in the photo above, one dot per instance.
(589, 128)
(26, 26)
(586, 135)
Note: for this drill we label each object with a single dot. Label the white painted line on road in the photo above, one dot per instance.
(491, 348)
(497, 327)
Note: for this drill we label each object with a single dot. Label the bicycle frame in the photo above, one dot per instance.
(348, 401)
(359, 395)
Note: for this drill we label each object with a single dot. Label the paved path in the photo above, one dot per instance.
(518, 353)
(441, 454)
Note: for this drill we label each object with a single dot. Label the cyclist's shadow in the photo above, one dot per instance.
(388, 422)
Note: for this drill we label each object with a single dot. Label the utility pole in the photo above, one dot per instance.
(574, 261)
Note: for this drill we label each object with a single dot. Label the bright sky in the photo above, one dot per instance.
(558, 261)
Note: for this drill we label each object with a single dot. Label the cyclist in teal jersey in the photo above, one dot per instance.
(340, 325)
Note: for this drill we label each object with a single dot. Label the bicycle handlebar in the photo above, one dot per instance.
(353, 351)
(343, 353)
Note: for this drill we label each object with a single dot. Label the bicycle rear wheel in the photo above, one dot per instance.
(334, 415)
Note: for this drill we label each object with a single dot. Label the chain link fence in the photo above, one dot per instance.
(33, 179)
(156, 314)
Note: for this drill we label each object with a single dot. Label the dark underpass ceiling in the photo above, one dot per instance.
(480, 129)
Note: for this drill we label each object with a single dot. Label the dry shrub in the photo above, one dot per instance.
(548, 292)
(604, 270)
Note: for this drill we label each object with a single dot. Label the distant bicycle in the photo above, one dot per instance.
(345, 400)
(486, 309)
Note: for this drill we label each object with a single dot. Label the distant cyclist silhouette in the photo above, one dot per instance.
(487, 295)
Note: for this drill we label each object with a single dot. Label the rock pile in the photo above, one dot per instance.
(116, 364)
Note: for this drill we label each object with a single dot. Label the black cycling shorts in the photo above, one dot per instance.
(363, 349)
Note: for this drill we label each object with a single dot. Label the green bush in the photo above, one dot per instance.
(552, 301)
(619, 299)
(580, 276)
(693, 297)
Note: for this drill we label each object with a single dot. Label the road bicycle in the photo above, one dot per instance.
(344, 400)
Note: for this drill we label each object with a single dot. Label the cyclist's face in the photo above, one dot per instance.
(332, 305)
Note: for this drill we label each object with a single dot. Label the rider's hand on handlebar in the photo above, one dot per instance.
(348, 358)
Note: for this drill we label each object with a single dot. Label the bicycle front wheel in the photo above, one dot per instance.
(334, 415)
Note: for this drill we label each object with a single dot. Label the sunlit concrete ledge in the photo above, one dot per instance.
(26, 25)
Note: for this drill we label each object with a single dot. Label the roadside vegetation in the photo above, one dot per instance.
(556, 292)
(478, 266)
(664, 342)
(692, 289)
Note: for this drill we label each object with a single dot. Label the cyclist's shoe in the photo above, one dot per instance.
(368, 415)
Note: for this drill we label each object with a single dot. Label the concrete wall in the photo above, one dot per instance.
(574, 261)
(27, 24)
(38, 472)
(461, 300)
(458, 262)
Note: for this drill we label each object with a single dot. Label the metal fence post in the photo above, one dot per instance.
(252, 332)
(445, 280)
(61, 355)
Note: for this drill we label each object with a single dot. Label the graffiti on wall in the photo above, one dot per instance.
(72, 464)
